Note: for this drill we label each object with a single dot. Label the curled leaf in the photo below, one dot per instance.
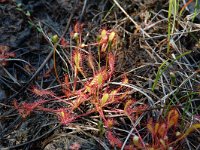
(150, 126)
(103, 40)
(77, 58)
(104, 99)
(172, 118)
(103, 34)
(111, 36)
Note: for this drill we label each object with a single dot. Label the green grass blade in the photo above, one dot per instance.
(169, 24)
(164, 67)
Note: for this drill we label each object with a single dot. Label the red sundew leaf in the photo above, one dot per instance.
(113, 95)
(104, 98)
(76, 34)
(99, 79)
(104, 37)
(114, 92)
(162, 130)
(78, 27)
(125, 93)
(4, 51)
(5, 54)
(104, 47)
(79, 100)
(11, 54)
(45, 109)
(111, 62)
(3, 57)
(99, 110)
(121, 97)
(104, 34)
(26, 108)
(172, 118)
(111, 36)
(77, 59)
(15, 104)
(68, 93)
(76, 103)
(66, 87)
(91, 61)
(41, 92)
(89, 88)
(67, 80)
(156, 127)
(64, 43)
(64, 116)
(128, 109)
(133, 112)
(150, 126)
(113, 140)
